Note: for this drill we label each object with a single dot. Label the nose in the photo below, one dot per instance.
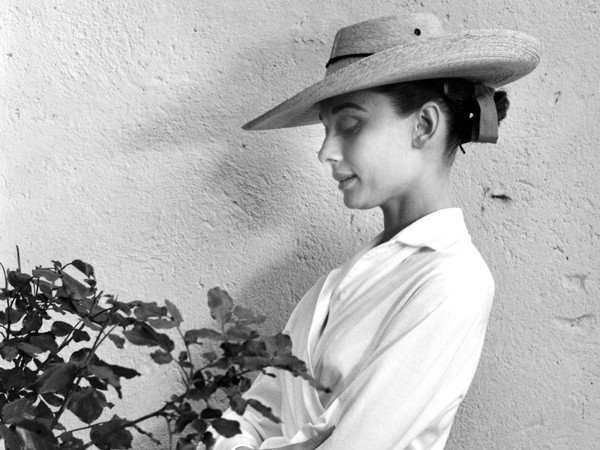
(330, 151)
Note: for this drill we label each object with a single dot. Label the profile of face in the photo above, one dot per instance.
(375, 154)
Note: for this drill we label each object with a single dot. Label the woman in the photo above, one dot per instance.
(396, 331)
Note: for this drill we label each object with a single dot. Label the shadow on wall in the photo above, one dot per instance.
(257, 187)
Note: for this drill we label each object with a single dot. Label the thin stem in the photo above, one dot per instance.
(10, 305)
(99, 338)
(170, 432)
(158, 412)
(71, 334)
(104, 337)
(5, 278)
(18, 258)
(65, 403)
(187, 349)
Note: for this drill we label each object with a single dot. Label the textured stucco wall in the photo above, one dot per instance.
(121, 146)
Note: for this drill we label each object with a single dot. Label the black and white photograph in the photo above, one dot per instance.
(272, 224)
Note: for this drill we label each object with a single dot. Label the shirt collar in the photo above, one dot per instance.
(437, 230)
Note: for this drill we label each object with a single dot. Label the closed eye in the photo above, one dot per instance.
(348, 125)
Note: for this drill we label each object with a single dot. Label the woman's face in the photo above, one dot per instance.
(369, 147)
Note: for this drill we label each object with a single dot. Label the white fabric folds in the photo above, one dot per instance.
(404, 322)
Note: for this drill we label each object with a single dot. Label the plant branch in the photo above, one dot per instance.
(170, 432)
(157, 413)
(62, 408)
(5, 278)
(69, 337)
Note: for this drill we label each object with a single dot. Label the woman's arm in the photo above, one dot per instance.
(413, 380)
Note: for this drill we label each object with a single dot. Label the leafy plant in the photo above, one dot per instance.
(52, 326)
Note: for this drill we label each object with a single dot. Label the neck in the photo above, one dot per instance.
(403, 212)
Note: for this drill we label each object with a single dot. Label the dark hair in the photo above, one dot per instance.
(457, 104)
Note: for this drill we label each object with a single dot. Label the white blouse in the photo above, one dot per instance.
(404, 323)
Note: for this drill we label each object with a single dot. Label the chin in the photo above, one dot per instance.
(355, 203)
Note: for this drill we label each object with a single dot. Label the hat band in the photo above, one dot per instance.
(352, 55)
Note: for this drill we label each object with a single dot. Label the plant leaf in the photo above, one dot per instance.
(278, 345)
(80, 335)
(162, 323)
(240, 332)
(237, 403)
(10, 438)
(264, 410)
(208, 440)
(143, 334)
(45, 341)
(12, 315)
(43, 414)
(9, 351)
(73, 288)
(36, 436)
(111, 434)
(147, 310)
(83, 267)
(70, 442)
(48, 274)
(87, 404)
(18, 410)
(117, 340)
(16, 378)
(19, 280)
(210, 413)
(31, 323)
(124, 307)
(200, 425)
(53, 400)
(226, 428)
(220, 304)
(210, 356)
(174, 312)
(55, 378)
(28, 349)
(192, 336)
(112, 374)
(247, 316)
(184, 420)
(60, 328)
(161, 357)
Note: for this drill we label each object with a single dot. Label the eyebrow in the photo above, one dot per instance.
(337, 108)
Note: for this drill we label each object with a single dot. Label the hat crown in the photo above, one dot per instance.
(372, 36)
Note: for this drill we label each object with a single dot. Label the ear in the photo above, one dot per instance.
(427, 124)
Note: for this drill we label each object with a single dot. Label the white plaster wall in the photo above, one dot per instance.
(121, 146)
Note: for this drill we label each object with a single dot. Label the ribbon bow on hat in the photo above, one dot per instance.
(485, 120)
(482, 123)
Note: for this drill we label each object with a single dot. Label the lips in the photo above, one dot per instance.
(344, 179)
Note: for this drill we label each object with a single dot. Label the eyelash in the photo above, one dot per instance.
(350, 130)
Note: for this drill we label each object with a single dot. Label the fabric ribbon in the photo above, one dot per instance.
(484, 117)
(485, 120)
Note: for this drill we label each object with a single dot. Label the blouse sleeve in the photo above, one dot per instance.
(266, 389)
(255, 427)
(412, 383)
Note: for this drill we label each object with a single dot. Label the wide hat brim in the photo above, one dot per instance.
(490, 57)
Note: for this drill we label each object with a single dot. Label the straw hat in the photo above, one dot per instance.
(406, 48)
